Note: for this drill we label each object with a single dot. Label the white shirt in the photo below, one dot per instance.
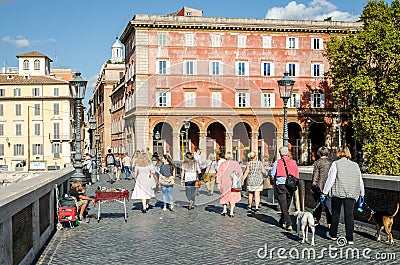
(197, 157)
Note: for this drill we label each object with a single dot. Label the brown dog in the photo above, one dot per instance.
(383, 219)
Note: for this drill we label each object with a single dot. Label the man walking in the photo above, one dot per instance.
(109, 161)
(127, 161)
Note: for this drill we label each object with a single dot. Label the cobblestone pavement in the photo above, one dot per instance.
(201, 236)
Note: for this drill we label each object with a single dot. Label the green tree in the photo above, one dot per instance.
(365, 72)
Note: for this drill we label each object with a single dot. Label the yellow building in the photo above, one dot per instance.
(35, 117)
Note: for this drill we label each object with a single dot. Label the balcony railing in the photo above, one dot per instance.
(60, 137)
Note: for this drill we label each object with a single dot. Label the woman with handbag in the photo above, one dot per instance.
(146, 181)
(228, 171)
(210, 173)
(254, 173)
(167, 180)
(189, 176)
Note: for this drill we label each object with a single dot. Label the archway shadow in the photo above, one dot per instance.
(213, 209)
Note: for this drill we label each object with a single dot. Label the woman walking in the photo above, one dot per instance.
(167, 179)
(344, 185)
(146, 181)
(254, 174)
(210, 173)
(189, 176)
(228, 170)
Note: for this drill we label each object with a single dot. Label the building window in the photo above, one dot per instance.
(293, 69)
(242, 69)
(36, 64)
(215, 40)
(56, 131)
(241, 41)
(267, 100)
(317, 100)
(162, 67)
(1, 129)
(242, 100)
(37, 129)
(17, 92)
(18, 149)
(56, 92)
(190, 99)
(56, 108)
(215, 68)
(25, 65)
(291, 43)
(18, 110)
(267, 42)
(189, 39)
(37, 149)
(18, 129)
(267, 69)
(294, 101)
(189, 67)
(1, 149)
(163, 99)
(162, 39)
(216, 99)
(317, 70)
(35, 92)
(36, 111)
(1, 110)
(316, 43)
(56, 149)
(2, 92)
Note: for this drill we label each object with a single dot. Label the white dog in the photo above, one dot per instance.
(305, 220)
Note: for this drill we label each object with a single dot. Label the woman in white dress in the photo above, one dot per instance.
(146, 181)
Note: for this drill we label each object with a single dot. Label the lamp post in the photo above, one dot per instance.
(187, 126)
(157, 137)
(92, 127)
(78, 88)
(96, 164)
(182, 145)
(285, 92)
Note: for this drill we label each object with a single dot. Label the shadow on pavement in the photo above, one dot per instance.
(213, 209)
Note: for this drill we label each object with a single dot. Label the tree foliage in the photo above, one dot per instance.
(365, 71)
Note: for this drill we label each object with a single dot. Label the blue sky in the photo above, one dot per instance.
(79, 34)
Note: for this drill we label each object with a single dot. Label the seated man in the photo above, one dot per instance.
(78, 192)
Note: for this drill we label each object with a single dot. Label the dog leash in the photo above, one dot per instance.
(315, 208)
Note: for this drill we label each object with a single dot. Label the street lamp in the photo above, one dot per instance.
(92, 128)
(157, 137)
(285, 92)
(182, 145)
(78, 88)
(187, 126)
(96, 164)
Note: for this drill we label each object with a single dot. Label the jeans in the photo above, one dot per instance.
(284, 198)
(127, 172)
(318, 211)
(348, 205)
(167, 192)
(190, 190)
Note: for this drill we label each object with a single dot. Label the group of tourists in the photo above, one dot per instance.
(334, 183)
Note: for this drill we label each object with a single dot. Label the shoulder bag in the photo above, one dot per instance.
(291, 181)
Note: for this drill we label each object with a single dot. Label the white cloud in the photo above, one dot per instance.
(315, 10)
(19, 42)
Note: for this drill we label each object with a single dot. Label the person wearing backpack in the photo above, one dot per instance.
(109, 161)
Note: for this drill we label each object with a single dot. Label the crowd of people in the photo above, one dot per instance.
(334, 183)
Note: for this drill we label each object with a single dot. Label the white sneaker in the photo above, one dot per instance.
(329, 236)
(164, 208)
(171, 207)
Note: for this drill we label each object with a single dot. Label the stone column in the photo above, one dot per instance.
(228, 141)
(254, 142)
(175, 146)
(203, 145)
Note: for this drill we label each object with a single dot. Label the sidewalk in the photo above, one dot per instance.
(202, 236)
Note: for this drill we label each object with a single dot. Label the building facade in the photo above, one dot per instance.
(35, 116)
(221, 74)
(101, 104)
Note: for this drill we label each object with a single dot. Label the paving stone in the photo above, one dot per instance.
(200, 236)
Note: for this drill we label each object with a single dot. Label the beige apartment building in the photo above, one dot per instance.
(36, 119)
